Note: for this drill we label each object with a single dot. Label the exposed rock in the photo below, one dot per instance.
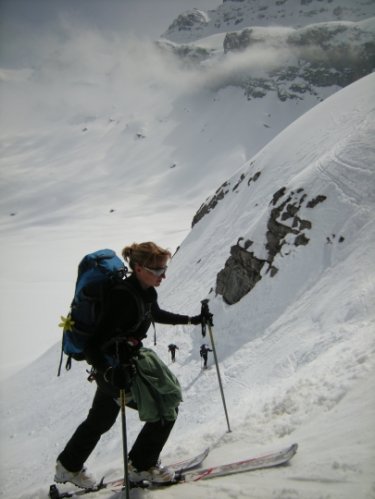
(240, 14)
(239, 182)
(254, 178)
(210, 205)
(191, 19)
(315, 201)
(276, 233)
(301, 240)
(327, 55)
(278, 194)
(212, 202)
(239, 276)
(242, 270)
(238, 41)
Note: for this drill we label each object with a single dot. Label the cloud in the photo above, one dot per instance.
(81, 70)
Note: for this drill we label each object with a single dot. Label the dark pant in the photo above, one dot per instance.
(101, 417)
(205, 356)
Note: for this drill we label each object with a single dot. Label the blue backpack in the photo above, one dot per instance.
(98, 272)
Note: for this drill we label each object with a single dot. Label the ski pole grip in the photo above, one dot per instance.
(205, 311)
(204, 305)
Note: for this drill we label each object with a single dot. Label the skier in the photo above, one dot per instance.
(120, 362)
(204, 354)
(172, 348)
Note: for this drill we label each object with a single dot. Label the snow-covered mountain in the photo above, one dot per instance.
(290, 48)
(296, 352)
(191, 115)
(233, 15)
(267, 189)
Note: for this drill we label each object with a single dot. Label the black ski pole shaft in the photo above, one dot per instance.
(124, 432)
(124, 443)
(218, 376)
(153, 325)
(208, 319)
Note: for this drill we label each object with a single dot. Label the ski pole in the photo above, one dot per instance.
(207, 319)
(123, 428)
(124, 443)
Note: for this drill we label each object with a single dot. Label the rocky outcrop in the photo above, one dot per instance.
(211, 203)
(243, 269)
(234, 42)
(233, 15)
(327, 55)
(240, 274)
(219, 195)
(192, 19)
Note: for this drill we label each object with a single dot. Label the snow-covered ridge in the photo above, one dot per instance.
(236, 15)
(288, 61)
(270, 189)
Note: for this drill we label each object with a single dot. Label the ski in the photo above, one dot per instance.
(179, 467)
(185, 472)
(191, 463)
(263, 461)
(268, 460)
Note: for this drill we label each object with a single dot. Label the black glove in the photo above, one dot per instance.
(120, 376)
(209, 318)
(197, 319)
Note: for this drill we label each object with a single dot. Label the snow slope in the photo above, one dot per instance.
(105, 160)
(296, 354)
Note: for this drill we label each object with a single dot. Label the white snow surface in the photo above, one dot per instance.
(296, 354)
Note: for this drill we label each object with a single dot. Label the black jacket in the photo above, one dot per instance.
(123, 319)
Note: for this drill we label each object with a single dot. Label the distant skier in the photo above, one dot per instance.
(204, 354)
(172, 348)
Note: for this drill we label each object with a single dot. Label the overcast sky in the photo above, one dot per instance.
(25, 24)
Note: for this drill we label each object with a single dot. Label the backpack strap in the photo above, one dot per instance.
(61, 356)
(141, 308)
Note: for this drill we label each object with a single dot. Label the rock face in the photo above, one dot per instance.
(210, 205)
(239, 276)
(328, 54)
(322, 44)
(233, 15)
(191, 19)
(285, 227)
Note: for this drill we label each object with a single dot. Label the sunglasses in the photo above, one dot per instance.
(157, 272)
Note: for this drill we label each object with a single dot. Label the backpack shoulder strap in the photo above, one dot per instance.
(127, 285)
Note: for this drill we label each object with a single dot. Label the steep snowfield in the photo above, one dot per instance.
(296, 354)
(87, 181)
